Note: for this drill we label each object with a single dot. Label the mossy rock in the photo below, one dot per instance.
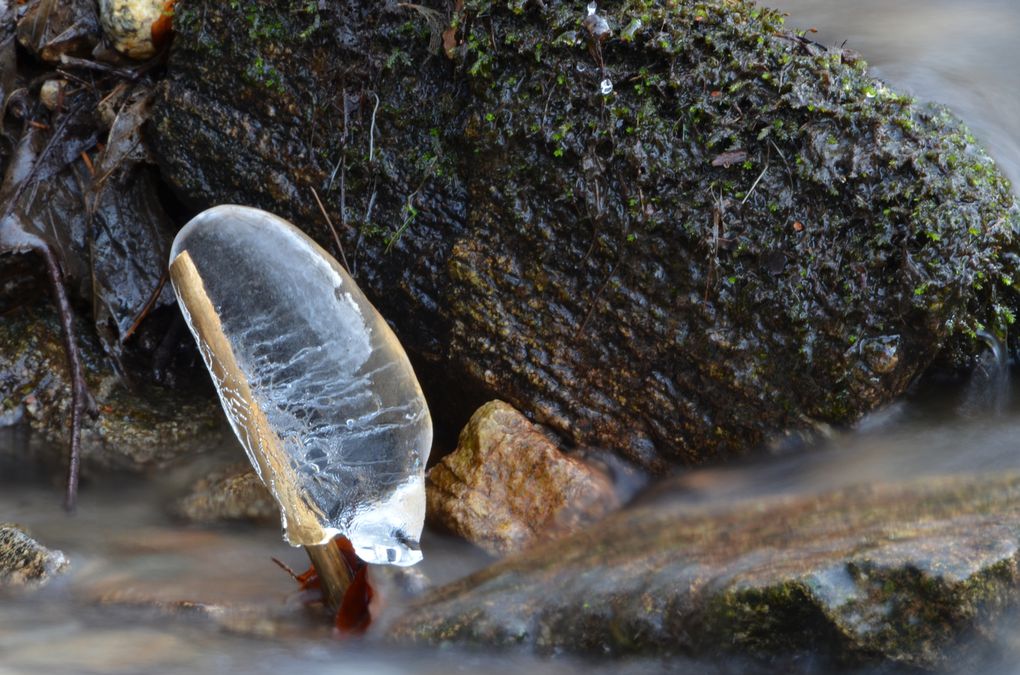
(24, 562)
(136, 426)
(912, 574)
(749, 235)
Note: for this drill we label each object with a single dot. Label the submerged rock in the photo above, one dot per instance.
(134, 429)
(24, 561)
(748, 234)
(235, 493)
(911, 574)
(507, 486)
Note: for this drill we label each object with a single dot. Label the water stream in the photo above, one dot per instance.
(120, 611)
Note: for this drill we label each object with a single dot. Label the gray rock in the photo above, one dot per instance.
(912, 573)
(24, 561)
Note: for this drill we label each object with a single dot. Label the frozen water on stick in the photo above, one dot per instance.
(315, 384)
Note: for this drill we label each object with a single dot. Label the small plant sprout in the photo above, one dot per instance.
(314, 383)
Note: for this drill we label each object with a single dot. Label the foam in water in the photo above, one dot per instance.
(313, 381)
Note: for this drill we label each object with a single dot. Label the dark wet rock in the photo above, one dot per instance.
(24, 561)
(233, 493)
(909, 574)
(751, 234)
(130, 231)
(507, 486)
(138, 425)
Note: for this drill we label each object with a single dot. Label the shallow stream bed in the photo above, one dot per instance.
(145, 593)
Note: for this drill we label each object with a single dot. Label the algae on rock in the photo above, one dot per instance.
(750, 234)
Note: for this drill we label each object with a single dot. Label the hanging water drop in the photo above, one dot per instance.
(606, 87)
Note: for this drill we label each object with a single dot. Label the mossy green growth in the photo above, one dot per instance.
(677, 241)
(796, 214)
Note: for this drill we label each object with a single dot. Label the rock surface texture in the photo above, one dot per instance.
(507, 486)
(128, 24)
(134, 429)
(234, 493)
(907, 574)
(25, 562)
(748, 234)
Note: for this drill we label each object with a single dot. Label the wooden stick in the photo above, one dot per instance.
(333, 572)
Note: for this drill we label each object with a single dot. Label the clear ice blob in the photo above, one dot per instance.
(314, 383)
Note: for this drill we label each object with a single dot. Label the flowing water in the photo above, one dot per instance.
(147, 594)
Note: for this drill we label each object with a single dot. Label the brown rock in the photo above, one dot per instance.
(508, 486)
(235, 493)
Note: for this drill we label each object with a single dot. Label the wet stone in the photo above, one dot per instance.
(234, 493)
(24, 561)
(656, 323)
(914, 574)
(128, 25)
(134, 429)
(507, 486)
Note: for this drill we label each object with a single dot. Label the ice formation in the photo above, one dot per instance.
(314, 383)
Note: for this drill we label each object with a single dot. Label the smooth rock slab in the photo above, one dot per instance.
(908, 573)
(24, 561)
(507, 486)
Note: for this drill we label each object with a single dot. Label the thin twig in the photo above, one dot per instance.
(756, 181)
(332, 229)
(371, 131)
(343, 172)
(79, 395)
(146, 308)
(595, 299)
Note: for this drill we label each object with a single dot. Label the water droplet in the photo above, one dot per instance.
(591, 8)
(350, 424)
(606, 87)
(581, 67)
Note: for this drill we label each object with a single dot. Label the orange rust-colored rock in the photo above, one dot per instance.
(508, 486)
